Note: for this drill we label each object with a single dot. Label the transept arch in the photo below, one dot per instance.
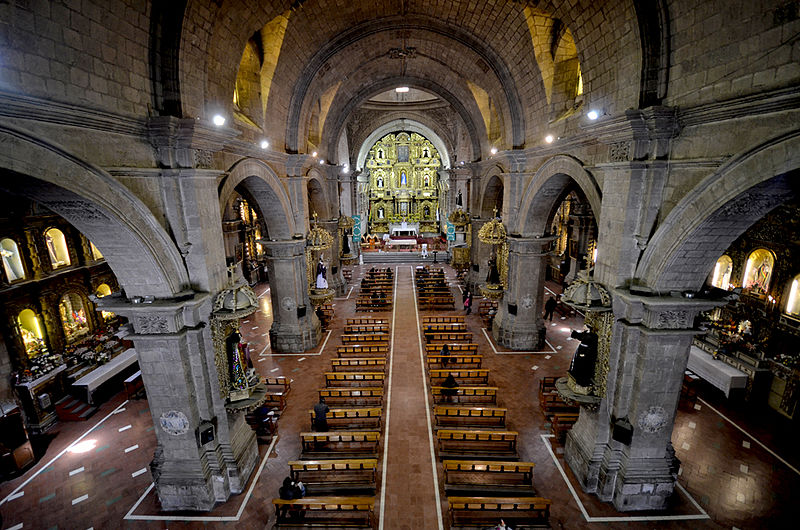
(403, 125)
(548, 187)
(262, 184)
(708, 219)
(136, 247)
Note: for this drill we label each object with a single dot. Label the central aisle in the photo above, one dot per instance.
(410, 491)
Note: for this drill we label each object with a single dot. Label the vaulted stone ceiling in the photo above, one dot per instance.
(503, 70)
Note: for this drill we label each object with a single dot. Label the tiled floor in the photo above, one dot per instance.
(738, 482)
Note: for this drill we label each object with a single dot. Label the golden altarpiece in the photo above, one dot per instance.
(403, 185)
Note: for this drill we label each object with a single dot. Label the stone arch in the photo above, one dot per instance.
(262, 184)
(403, 125)
(492, 192)
(331, 133)
(653, 19)
(493, 59)
(136, 247)
(317, 198)
(548, 186)
(717, 211)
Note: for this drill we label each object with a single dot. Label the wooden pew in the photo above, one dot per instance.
(133, 385)
(363, 350)
(443, 338)
(485, 477)
(472, 443)
(474, 377)
(366, 303)
(358, 364)
(436, 302)
(327, 512)
(365, 338)
(359, 419)
(547, 385)
(277, 384)
(480, 512)
(326, 477)
(442, 319)
(444, 327)
(275, 401)
(455, 417)
(454, 361)
(554, 403)
(339, 444)
(455, 348)
(366, 320)
(371, 329)
(561, 423)
(354, 379)
(352, 397)
(473, 395)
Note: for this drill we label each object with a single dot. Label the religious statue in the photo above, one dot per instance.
(239, 361)
(493, 278)
(379, 181)
(345, 244)
(380, 212)
(426, 181)
(403, 179)
(322, 271)
(582, 366)
(459, 202)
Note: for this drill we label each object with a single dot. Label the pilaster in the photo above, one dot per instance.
(295, 327)
(518, 324)
(649, 351)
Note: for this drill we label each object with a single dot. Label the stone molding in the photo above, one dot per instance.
(738, 108)
(284, 249)
(186, 143)
(659, 312)
(162, 316)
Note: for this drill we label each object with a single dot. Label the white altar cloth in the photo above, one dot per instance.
(92, 381)
(719, 374)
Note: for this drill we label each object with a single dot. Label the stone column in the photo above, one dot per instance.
(295, 327)
(176, 355)
(479, 257)
(648, 355)
(518, 324)
(335, 278)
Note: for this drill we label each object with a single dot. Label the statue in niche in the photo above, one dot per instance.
(403, 178)
(427, 211)
(426, 153)
(379, 181)
(380, 212)
(459, 201)
(239, 362)
(493, 278)
(380, 153)
(582, 366)
(426, 180)
(322, 272)
(345, 244)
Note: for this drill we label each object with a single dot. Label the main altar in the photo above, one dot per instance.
(403, 189)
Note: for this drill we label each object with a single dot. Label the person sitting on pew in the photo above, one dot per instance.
(450, 385)
(445, 353)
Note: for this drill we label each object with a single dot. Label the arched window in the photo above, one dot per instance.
(96, 254)
(73, 316)
(30, 329)
(57, 248)
(722, 272)
(104, 290)
(758, 271)
(793, 305)
(12, 261)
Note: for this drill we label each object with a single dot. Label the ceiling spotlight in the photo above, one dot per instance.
(218, 120)
(494, 150)
(401, 89)
(593, 115)
(549, 138)
(314, 153)
(264, 144)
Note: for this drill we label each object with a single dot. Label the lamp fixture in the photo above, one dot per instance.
(264, 144)
(314, 154)
(593, 114)
(549, 138)
(321, 161)
(401, 89)
(218, 120)
(493, 150)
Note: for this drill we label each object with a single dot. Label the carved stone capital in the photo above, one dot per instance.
(160, 316)
(659, 312)
(186, 143)
(283, 249)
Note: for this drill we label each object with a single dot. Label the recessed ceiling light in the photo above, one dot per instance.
(593, 115)
(264, 144)
(218, 120)
(401, 89)
(549, 138)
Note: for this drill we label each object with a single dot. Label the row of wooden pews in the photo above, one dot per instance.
(432, 289)
(483, 478)
(376, 290)
(339, 467)
(561, 415)
(264, 419)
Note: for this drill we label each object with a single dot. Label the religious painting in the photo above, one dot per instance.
(402, 153)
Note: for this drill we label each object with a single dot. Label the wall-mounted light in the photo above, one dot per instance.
(549, 138)
(593, 114)
(321, 161)
(218, 120)
(493, 150)
(264, 144)
(401, 89)
(314, 154)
